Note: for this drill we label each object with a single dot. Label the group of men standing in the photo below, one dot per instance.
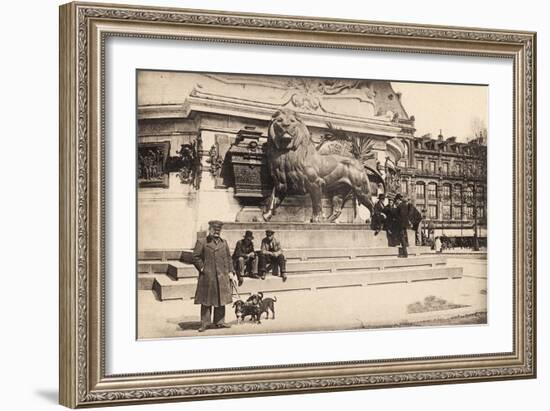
(217, 267)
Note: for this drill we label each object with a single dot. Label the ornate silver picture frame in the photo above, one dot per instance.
(84, 30)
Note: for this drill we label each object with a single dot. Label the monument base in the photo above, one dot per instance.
(298, 209)
(309, 235)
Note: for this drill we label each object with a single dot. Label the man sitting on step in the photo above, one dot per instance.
(272, 253)
(244, 257)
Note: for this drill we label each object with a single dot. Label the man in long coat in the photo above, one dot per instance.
(401, 223)
(212, 259)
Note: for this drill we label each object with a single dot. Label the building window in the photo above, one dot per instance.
(431, 166)
(457, 194)
(420, 191)
(480, 212)
(469, 212)
(432, 211)
(420, 165)
(445, 168)
(469, 194)
(458, 168)
(432, 191)
(480, 193)
(403, 187)
(446, 212)
(457, 212)
(446, 192)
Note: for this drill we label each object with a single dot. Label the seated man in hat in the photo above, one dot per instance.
(272, 253)
(212, 259)
(244, 257)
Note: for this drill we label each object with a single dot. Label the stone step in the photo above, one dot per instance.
(175, 269)
(179, 270)
(160, 254)
(167, 288)
(362, 264)
(309, 254)
(186, 256)
(145, 281)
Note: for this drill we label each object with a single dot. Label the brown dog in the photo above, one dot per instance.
(242, 310)
(266, 305)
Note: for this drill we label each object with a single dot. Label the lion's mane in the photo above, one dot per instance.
(289, 145)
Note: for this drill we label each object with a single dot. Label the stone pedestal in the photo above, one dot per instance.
(297, 209)
(307, 235)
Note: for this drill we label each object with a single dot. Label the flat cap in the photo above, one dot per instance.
(215, 224)
(268, 232)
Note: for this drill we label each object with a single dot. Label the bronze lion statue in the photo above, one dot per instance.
(297, 166)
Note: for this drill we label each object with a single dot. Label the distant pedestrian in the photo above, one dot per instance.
(437, 245)
(212, 259)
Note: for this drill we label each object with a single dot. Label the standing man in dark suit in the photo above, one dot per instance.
(389, 226)
(271, 252)
(212, 259)
(244, 257)
(379, 214)
(401, 223)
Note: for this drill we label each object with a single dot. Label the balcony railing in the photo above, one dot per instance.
(438, 173)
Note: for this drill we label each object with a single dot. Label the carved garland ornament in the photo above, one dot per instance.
(85, 13)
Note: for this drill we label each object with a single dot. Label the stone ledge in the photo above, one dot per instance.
(179, 270)
(167, 288)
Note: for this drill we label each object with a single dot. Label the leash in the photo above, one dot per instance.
(236, 291)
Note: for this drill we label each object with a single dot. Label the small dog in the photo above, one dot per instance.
(265, 304)
(245, 309)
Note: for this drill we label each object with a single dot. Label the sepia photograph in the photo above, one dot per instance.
(277, 204)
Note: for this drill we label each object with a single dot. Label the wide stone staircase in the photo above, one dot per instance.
(319, 256)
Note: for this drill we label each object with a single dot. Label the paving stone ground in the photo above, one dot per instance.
(372, 306)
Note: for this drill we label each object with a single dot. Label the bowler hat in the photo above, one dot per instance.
(381, 196)
(268, 232)
(248, 234)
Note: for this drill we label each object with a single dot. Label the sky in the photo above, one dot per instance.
(450, 108)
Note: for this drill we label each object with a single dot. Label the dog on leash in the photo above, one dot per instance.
(266, 305)
(245, 309)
